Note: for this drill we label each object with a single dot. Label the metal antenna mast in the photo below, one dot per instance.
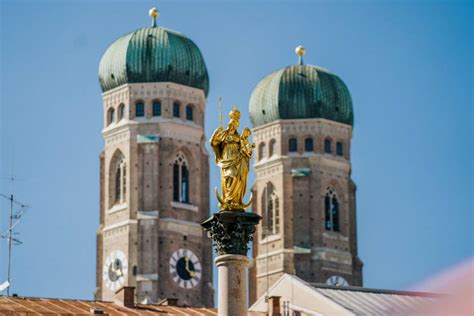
(9, 233)
(10, 229)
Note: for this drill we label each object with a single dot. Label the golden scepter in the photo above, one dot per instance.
(220, 111)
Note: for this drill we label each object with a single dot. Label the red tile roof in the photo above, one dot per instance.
(18, 305)
(47, 306)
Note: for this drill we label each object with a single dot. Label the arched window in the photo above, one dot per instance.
(262, 151)
(189, 112)
(270, 211)
(272, 149)
(121, 111)
(180, 179)
(118, 179)
(339, 151)
(176, 109)
(327, 146)
(110, 116)
(156, 108)
(331, 208)
(139, 109)
(292, 145)
(308, 144)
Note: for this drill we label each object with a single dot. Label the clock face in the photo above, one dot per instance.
(115, 270)
(185, 268)
(337, 281)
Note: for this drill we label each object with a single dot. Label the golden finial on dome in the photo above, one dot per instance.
(300, 50)
(154, 13)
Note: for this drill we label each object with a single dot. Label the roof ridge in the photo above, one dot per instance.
(372, 290)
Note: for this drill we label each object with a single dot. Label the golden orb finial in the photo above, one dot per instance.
(154, 14)
(300, 50)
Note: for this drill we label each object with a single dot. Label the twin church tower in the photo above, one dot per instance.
(154, 174)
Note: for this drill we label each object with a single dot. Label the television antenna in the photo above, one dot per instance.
(14, 220)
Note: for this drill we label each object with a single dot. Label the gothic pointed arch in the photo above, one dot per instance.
(117, 179)
(331, 210)
(180, 178)
(270, 204)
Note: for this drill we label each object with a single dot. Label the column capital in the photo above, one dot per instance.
(231, 231)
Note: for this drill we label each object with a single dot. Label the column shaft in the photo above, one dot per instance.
(232, 285)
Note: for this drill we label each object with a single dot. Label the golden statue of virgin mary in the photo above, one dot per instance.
(233, 153)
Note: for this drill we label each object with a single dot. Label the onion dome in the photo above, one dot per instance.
(153, 54)
(301, 92)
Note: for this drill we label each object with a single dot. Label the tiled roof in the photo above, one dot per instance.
(49, 306)
(323, 299)
(363, 301)
(29, 305)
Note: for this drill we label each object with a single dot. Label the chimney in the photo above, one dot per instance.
(125, 296)
(96, 310)
(274, 306)
(169, 302)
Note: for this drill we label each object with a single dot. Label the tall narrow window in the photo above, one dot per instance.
(262, 151)
(189, 113)
(176, 109)
(121, 111)
(339, 149)
(176, 182)
(139, 109)
(292, 145)
(180, 179)
(110, 116)
(270, 211)
(184, 184)
(331, 207)
(272, 149)
(118, 179)
(118, 185)
(157, 108)
(327, 146)
(308, 144)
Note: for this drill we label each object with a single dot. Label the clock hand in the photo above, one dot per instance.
(186, 267)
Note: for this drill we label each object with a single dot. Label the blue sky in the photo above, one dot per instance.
(408, 65)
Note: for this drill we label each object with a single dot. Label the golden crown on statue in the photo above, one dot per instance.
(234, 114)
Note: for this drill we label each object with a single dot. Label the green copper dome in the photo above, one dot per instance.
(153, 54)
(301, 91)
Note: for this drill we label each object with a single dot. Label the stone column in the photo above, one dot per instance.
(232, 287)
(231, 232)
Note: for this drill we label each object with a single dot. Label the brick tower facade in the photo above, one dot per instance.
(302, 118)
(154, 170)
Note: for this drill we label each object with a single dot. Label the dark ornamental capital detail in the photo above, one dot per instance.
(231, 231)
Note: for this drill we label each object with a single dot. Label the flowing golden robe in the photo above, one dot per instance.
(226, 144)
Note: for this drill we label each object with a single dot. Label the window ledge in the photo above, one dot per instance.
(270, 239)
(185, 206)
(334, 235)
(147, 277)
(148, 214)
(117, 208)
